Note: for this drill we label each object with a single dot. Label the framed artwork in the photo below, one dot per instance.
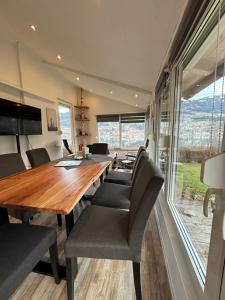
(51, 119)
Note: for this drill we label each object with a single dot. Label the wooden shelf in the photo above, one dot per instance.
(82, 120)
(81, 107)
(80, 135)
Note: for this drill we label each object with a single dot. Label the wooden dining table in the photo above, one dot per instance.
(51, 189)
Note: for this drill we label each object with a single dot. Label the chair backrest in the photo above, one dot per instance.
(146, 143)
(66, 145)
(140, 150)
(100, 148)
(38, 157)
(11, 163)
(143, 197)
(142, 158)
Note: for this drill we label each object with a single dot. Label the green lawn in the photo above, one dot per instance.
(188, 179)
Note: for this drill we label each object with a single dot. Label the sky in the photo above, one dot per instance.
(209, 90)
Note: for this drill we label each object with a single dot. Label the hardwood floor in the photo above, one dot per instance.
(103, 279)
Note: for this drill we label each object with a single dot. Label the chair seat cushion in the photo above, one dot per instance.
(119, 177)
(22, 247)
(100, 232)
(112, 195)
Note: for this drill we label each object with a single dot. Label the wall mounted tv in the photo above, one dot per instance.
(19, 119)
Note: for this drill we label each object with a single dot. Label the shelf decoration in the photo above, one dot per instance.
(81, 118)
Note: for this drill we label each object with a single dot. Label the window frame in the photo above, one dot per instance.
(175, 97)
(120, 127)
(72, 119)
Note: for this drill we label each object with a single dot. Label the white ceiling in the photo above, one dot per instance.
(124, 41)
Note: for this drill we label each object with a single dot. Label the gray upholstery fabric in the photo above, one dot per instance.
(38, 157)
(103, 232)
(117, 195)
(100, 232)
(112, 195)
(22, 247)
(143, 197)
(119, 177)
(10, 164)
(99, 148)
(123, 177)
(137, 160)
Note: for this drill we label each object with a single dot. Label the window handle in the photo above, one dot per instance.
(208, 194)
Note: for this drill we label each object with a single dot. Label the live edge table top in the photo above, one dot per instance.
(48, 188)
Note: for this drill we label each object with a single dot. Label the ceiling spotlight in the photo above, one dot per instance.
(136, 95)
(136, 105)
(78, 78)
(59, 57)
(33, 27)
(111, 92)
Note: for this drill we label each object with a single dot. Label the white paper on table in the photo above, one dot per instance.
(68, 163)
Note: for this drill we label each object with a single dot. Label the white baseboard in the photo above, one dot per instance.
(183, 278)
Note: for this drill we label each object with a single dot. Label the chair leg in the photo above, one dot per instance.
(71, 270)
(59, 220)
(137, 280)
(53, 251)
(26, 222)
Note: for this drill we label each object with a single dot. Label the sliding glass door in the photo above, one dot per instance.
(197, 134)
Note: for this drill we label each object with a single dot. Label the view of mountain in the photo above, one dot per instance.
(203, 105)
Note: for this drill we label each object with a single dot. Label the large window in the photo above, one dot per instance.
(65, 122)
(126, 131)
(198, 129)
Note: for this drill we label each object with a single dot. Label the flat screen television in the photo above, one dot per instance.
(16, 118)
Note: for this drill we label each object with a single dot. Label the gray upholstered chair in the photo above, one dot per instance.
(22, 247)
(10, 164)
(118, 195)
(109, 233)
(100, 148)
(124, 177)
(38, 157)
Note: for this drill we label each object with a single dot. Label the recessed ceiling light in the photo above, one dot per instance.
(33, 27)
(136, 105)
(136, 95)
(59, 57)
(78, 78)
(111, 92)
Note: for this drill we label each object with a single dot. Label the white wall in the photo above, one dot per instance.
(100, 106)
(39, 79)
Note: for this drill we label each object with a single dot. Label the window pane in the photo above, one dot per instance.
(200, 114)
(108, 132)
(65, 122)
(132, 135)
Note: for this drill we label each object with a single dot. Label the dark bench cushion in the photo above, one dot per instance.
(100, 232)
(112, 195)
(22, 247)
(119, 178)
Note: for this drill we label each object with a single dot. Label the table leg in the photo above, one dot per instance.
(69, 222)
(107, 171)
(69, 226)
(101, 178)
(4, 217)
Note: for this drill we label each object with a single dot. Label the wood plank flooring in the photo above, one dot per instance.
(102, 279)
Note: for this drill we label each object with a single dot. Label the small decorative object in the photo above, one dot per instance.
(51, 119)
